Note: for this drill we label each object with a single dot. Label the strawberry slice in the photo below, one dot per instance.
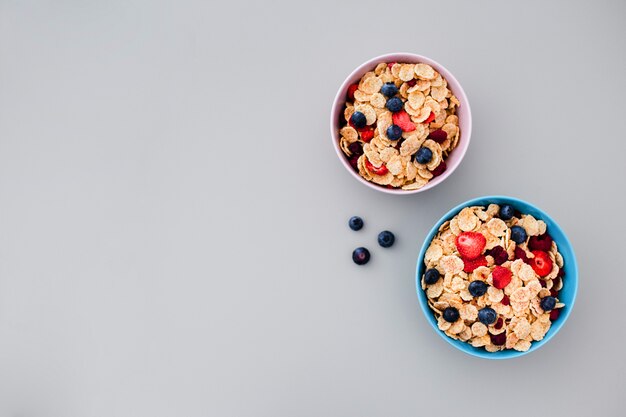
(501, 277)
(351, 91)
(430, 118)
(381, 170)
(541, 263)
(402, 119)
(470, 264)
(367, 133)
(470, 244)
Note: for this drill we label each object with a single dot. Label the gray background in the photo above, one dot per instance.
(173, 236)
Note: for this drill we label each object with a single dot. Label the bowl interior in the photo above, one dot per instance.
(464, 113)
(567, 295)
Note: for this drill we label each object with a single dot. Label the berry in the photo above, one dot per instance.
(548, 303)
(441, 168)
(438, 135)
(394, 132)
(361, 256)
(355, 223)
(394, 104)
(477, 288)
(487, 316)
(542, 242)
(431, 276)
(506, 212)
(356, 148)
(499, 323)
(391, 64)
(501, 277)
(521, 254)
(470, 265)
(505, 300)
(451, 314)
(423, 155)
(499, 255)
(518, 234)
(367, 133)
(541, 263)
(412, 82)
(431, 117)
(554, 314)
(403, 120)
(358, 120)
(470, 244)
(351, 91)
(498, 339)
(354, 162)
(381, 170)
(389, 90)
(386, 239)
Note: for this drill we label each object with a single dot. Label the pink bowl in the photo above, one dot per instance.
(464, 113)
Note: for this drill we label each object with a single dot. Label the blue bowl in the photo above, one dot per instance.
(567, 295)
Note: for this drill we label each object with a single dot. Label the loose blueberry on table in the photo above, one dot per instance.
(355, 223)
(361, 256)
(386, 239)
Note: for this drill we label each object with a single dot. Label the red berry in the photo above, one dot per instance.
(554, 314)
(470, 244)
(441, 168)
(470, 264)
(499, 255)
(351, 91)
(542, 242)
(412, 82)
(499, 323)
(438, 135)
(561, 273)
(543, 283)
(521, 254)
(402, 119)
(554, 292)
(381, 170)
(505, 300)
(501, 277)
(430, 118)
(498, 339)
(391, 64)
(367, 133)
(354, 162)
(541, 263)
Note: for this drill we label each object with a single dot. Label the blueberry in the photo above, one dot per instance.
(506, 212)
(477, 288)
(431, 276)
(389, 90)
(358, 119)
(361, 256)
(518, 234)
(394, 132)
(355, 223)
(394, 104)
(386, 239)
(487, 316)
(548, 303)
(451, 314)
(424, 155)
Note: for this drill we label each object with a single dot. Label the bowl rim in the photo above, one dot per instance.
(463, 346)
(466, 133)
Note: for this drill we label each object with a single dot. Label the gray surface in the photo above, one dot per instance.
(173, 236)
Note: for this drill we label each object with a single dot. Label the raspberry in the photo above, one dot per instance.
(499, 255)
(542, 242)
(441, 168)
(554, 314)
(356, 149)
(402, 119)
(438, 135)
(354, 162)
(351, 91)
(561, 273)
(554, 292)
(412, 82)
(391, 64)
(520, 254)
(470, 265)
(381, 170)
(505, 300)
(501, 277)
(498, 339)
(499, 323)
